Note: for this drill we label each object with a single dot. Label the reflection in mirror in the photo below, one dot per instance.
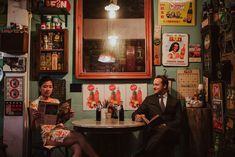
(114, 37)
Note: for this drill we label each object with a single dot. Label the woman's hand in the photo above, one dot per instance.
(35, 114)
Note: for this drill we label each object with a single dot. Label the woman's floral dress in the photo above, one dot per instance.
(55, 133)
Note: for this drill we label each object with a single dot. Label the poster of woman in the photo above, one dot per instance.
(175, 49)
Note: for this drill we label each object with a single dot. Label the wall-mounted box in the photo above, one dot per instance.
(14, 43)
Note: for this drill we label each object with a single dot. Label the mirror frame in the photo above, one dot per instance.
(81, 74)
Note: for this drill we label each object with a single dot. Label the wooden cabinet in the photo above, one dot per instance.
(14, 43)
(52, 55)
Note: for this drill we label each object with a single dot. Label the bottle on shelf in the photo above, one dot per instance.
(121, 113)
(190, 13)
(139, 58)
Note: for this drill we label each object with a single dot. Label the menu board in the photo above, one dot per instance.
(187, 82)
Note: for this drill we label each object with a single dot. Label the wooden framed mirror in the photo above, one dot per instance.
(113, 48)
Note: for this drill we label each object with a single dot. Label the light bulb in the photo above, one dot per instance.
(113, 40)
(112, 14)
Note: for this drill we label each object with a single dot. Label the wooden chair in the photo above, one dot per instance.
(38, 144)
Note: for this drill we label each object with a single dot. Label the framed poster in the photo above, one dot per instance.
(195, 53)
(175, 49)
(216, 91)
(187, 82)
(217, 115)
(172, 12)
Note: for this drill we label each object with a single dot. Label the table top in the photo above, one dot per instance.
(107, 125)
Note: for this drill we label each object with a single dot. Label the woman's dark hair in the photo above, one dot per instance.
(45, 79)
(164, 80)
(172, 45)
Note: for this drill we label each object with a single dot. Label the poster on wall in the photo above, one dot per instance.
(195, 53)
(217, 115)
(128, 95)
(135, 94)
(172, 12)
(14, 88)
(92, 94)
(115, 93)
(187, 82)
(175, 49)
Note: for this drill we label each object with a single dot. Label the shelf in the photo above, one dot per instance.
(51, 50)
(51, 11)
(49, 60)
(53, 71)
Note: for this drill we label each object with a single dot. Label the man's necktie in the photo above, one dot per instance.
(162, 103)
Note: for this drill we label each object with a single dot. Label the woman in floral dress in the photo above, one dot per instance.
(58, 135)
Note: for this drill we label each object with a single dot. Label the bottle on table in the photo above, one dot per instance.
(98, 112)
(121, 113)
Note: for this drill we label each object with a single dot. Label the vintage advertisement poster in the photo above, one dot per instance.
(217, 115)
(115, 93)
(187, 82)
(216, 91)
(135, 94)
(175, 12)
(175, 49)
(195, 53)
(92, 94)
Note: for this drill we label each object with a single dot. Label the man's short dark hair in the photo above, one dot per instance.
(164, 79)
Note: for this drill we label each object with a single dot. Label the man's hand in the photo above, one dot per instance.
(139, 117)
(162, 125)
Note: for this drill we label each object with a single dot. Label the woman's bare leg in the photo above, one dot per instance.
(77, 151)
(76, 138)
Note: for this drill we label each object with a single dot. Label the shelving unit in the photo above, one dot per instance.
(52, 55)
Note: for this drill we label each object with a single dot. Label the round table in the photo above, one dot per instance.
(111, 137)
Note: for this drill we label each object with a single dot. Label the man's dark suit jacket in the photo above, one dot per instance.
(171, 116)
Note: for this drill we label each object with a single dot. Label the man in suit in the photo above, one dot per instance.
(160, 139)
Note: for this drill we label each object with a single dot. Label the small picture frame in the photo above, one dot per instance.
(14, 64)
(216, 91)
(230, 100)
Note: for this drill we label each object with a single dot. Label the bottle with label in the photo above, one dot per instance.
(118, 96)
(98, 113)
(121, 113)
(182, 53)
(139, 58)
(190, 13)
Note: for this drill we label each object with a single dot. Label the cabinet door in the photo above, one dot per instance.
(53, 51)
